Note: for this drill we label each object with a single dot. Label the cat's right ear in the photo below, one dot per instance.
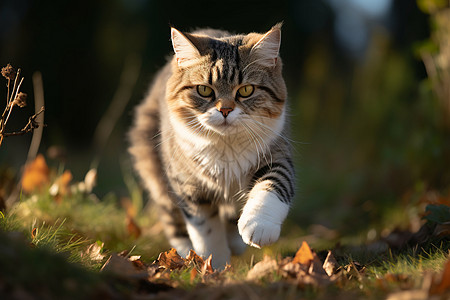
(185, 51)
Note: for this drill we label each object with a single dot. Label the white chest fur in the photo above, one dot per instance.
(226, 159)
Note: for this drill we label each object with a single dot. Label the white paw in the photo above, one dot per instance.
(261, 219)
(258, 232)
(182, 245)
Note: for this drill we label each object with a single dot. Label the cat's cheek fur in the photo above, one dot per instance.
(261, 218)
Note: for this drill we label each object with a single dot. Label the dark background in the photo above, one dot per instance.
(367, 128)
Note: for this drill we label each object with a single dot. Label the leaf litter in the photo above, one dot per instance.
(304, 271)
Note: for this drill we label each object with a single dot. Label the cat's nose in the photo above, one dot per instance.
(225, 111)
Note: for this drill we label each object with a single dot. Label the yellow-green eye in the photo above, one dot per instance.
(246, 91)
(204, 91)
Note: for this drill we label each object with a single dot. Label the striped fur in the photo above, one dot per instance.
(218, 167)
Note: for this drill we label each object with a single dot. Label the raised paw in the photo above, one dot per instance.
(261, 218)
(258, 232)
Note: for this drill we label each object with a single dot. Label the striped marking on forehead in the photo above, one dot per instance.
(225, 61)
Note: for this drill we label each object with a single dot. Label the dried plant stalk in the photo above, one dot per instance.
(16, 98)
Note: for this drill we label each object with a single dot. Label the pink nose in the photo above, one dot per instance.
(225, 111)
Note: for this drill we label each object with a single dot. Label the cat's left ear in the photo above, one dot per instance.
(267, 48)
(185, 51)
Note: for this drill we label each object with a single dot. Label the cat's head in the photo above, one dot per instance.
(225, 84)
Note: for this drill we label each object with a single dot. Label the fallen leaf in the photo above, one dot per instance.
(171, 260)
(330, 264)
(290, 270)
(35, 175)
(134, 258)
(137, 262)
(207, 267)
(90, 180)
(94, 251)
(316, 267)
(305, 269)
(442, 230)
(195, 258)
(121, 266)
(61, 186)
(443, 286)
(304, 255)
(133, 229)
(263, 268)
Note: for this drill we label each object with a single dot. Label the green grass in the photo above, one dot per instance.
(83, 217)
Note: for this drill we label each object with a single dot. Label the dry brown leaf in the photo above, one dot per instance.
(207, 267)
(63, 182)
(94, 252)
(263, 268)
(133, 229)
(61, 186)
(443, 286)
(121, 266)
(330, 264)
(306, 268)
(137, 262)
(171, 260)
(195, 258)
(134, 258)
(290, 270)
(304, 255)
(442, 230)
(35, 175)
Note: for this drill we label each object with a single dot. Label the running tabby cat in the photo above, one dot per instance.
(209, 143)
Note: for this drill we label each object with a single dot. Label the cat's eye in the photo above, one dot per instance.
(246, 91)
(204, 91)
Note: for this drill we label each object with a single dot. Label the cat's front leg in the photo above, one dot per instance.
(267, 205)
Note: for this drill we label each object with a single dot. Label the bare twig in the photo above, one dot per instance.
(31, 125)
(17, 98)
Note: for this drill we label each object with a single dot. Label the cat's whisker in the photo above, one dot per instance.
(256, 142)
(281, 135)
(264, 146)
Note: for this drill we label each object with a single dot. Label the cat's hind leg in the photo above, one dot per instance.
(207, 233)
(230, 220)
(235, 241)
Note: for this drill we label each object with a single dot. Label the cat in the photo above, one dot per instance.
(209, 143)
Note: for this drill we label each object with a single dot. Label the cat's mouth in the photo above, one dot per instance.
(224, 127)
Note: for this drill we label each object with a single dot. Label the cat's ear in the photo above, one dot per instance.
(267, 48)
(185, 51)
